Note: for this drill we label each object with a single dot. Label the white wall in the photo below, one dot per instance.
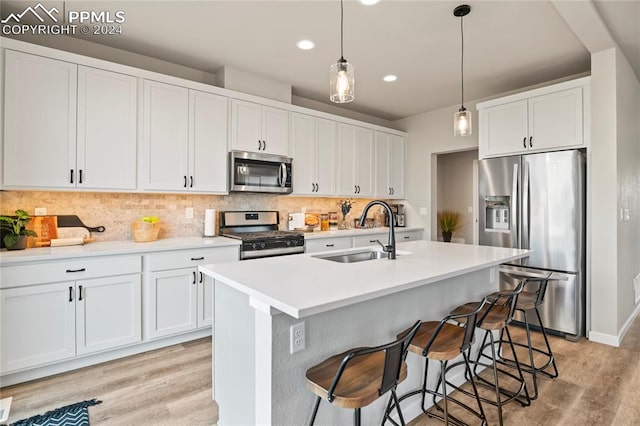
(430, 133)
(628, 185)
(614, 179)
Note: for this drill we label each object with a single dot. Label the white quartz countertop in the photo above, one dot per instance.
(112, 248)
(354, 232)
(304, 285)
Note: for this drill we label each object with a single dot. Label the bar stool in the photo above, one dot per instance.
(495, 316)
(357, 377)
(529, 301)
(443, 341)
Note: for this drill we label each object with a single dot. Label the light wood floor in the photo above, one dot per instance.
(598, 385)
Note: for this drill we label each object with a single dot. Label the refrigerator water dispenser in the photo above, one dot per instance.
(497, 213)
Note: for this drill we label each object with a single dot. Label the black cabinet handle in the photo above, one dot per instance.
(71, 181)
(76, 270)
(531, 142)
(259, 145)
(190, 181)
(194, 277)
(70, 294)
(197, 258)
(201, 277)
(329, 245)
(373, 241)
(393, 191)
(524, 142)
(264, 145)
(355, 189)
(79, 292)
(406, 237)
(358, 189)
(184, 184)
(80, 176)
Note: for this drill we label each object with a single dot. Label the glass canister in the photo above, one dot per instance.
(324, 222)
(333, 221)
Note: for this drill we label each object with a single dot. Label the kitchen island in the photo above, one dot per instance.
(343, 305)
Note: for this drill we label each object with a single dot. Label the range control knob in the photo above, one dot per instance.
(254, 246)
(289, 243)
(262, 245)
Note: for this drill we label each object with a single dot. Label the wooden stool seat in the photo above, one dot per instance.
(359, 383)
(527, 301)
(446, 345)
(495, 319)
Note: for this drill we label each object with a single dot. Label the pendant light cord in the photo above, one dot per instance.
(341, 29)
(462, 62)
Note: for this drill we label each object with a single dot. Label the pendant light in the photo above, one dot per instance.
(462, 118)
(341, 82)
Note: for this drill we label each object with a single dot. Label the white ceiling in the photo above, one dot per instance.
(508, 44)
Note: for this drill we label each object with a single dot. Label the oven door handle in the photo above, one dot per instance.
(283, 175)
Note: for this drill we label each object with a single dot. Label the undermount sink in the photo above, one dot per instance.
(360, 256)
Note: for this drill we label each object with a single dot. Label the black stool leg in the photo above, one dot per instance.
(395, 399)
(520, 375)
(315, 411)
(356, 417)
(475, 389)
(444, 392)
(529, 347)
(495, 377)
(546, 341)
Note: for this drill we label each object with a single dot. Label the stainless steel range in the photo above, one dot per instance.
(258, 231)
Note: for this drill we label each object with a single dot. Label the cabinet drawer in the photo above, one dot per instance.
(326, 244)
(402, 237)
(70, 270)
(370, 239)
(177, 259)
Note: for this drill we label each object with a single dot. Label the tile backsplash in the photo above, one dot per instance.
(117, 211)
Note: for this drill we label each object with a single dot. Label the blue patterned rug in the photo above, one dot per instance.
(71, 415)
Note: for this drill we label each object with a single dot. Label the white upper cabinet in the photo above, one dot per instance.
(107, 126)
(390, 165)
(208, 142)
(166, 136)
(544, 119)
(39, 122)
(78, 125)
(355, 159)
(185, 135)
(259, 128)
(313, 142)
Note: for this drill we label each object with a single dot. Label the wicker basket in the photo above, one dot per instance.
(145, 231)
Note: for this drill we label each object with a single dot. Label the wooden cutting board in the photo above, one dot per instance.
(45, 226)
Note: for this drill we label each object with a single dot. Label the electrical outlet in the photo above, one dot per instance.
(297, 338)
(40, 211)
(189, 213)
(423, 211)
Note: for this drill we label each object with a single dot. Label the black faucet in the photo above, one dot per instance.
(391, 246)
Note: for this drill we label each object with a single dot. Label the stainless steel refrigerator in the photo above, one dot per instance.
(537, 202)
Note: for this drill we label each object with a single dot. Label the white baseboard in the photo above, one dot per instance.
(610, 339)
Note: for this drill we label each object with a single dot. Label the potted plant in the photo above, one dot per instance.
(449, 221)
(16, 234)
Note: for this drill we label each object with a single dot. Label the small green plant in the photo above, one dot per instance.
(152, 219)
(15, 227)
(449, 220)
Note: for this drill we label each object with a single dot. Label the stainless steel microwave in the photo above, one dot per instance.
(257, 172)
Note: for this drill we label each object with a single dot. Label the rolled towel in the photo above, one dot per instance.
(67, 242)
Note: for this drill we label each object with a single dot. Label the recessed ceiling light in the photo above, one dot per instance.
(390, 77)
(305, 44)
(369, 2)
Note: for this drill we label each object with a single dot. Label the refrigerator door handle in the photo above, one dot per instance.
(526, 214)
(516, 243)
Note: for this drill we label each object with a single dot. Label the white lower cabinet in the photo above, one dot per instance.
(44, 322)
(108, 313)
(178, 298)
(38, 325)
